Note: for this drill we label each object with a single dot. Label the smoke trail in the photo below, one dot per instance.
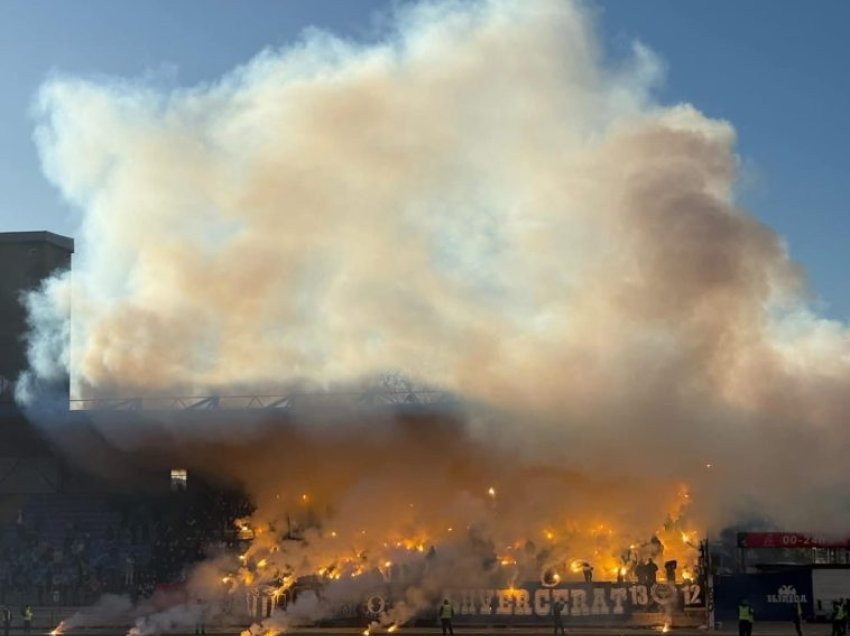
(482, 202)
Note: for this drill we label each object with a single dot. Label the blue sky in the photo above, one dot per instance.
(777, 69)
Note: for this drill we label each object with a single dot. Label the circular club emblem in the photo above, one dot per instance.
(663, 593)
(375, 604)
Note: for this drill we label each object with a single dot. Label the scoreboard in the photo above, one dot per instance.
(791, 540)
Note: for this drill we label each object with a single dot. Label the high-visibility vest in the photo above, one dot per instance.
(28, 614)
(745, 613)
(840, 613)
(446, 611)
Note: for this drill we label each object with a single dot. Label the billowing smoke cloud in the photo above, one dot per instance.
(481, 202)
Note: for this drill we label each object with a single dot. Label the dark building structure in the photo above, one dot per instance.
(27, 463)
(26, 259)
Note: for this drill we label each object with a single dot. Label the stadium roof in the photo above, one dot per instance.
(58, 240)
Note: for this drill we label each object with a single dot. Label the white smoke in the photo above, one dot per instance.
(109, 610)
(481, 201)
(184, 615)
(113, 610)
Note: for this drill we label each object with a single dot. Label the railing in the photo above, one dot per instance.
(284, 401)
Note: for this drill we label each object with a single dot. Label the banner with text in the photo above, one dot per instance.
(582, 602)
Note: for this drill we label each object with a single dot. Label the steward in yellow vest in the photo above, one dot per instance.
(746, 618)
(446, 612)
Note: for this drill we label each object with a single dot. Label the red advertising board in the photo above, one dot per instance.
(790, 540)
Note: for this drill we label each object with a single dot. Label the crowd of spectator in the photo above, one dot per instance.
(120, 545)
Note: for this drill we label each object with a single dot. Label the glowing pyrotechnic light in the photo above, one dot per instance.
(262, 563)
(577, 565)
(388, 564)
(688, 537)
(450, 529)
(392, 628)
(305, 498)
(226, 579)
(58, 629)
(420, 548)
(709, 465)
(242, 557)
(333, 534)
(666, 628)
(365, 632)
(550, 535)
(491, 491)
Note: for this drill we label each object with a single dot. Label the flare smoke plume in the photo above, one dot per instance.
(480, 201)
